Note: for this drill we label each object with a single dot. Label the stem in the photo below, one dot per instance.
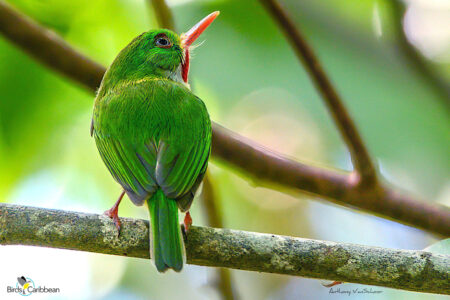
(359, 154)
(214, 218)
(415, 59)
(163, 14)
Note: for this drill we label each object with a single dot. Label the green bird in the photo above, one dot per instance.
(154, 134)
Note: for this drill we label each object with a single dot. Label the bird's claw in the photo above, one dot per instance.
(113, 213)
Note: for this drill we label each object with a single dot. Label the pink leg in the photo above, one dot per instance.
(113, 213)
(187, 221)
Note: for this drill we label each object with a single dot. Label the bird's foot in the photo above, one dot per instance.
(187, 222)
(113, 213)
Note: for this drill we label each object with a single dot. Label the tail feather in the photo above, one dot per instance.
(166, 242)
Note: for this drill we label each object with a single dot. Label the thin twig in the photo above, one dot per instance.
(359, 154)
(415, 59)
(163, 14)
(214, 219)
(401, 269)
(249, 157)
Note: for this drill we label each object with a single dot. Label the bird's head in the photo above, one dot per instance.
(161, 53)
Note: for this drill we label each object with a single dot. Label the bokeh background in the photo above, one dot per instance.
(253, 84)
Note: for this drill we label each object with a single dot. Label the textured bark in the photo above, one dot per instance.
(402, 269)
(249, 157)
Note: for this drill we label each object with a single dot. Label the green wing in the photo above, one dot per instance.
(153, 134)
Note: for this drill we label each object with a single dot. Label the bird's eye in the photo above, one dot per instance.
(163, 42)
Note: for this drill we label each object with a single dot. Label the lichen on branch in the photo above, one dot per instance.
(401, 269)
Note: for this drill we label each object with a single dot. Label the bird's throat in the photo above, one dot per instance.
(177, 76)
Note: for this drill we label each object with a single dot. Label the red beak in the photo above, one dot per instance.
(189, 37)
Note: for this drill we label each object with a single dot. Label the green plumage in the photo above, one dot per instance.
(154, 136)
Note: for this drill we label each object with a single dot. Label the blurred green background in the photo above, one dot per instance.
(251, 83)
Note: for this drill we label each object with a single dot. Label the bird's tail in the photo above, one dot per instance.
(166, 241)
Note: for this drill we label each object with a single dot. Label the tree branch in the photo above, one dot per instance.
(271, 168)
(47, 47)
(359, 154)
(249, 157)
(401, 269)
